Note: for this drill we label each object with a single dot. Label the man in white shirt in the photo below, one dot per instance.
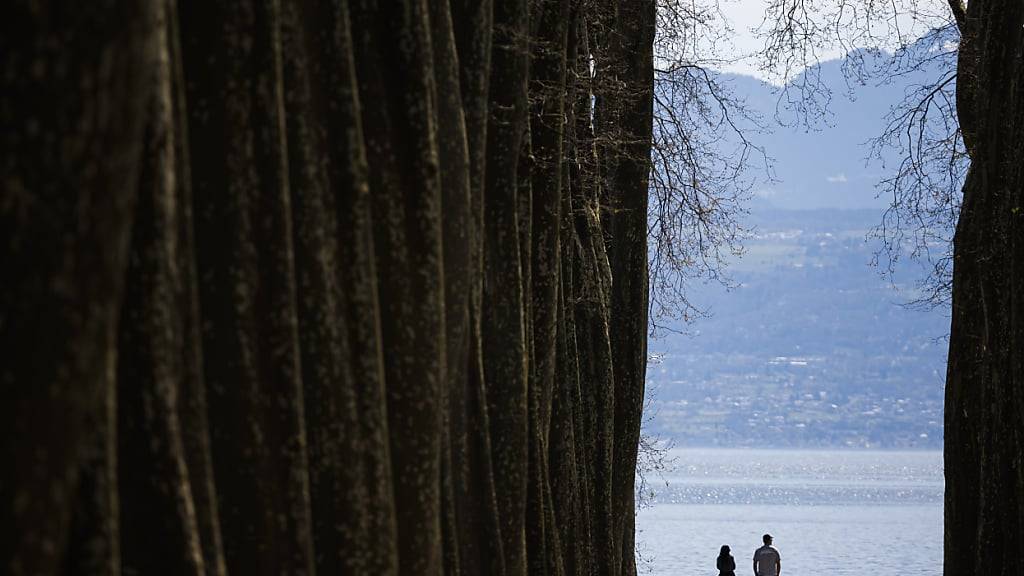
(766, 559)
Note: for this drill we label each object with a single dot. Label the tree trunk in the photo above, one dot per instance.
(984, 440)
(628, 204)
(332, 72)
(503, 326)
(247, 287)
(367, 317)
(72, 110)
(400, 131)
(477, 514)
(337, 474)
(158, 511)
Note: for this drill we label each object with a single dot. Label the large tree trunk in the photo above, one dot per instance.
(394, 67)
(367, 317)
(192, 396)
(627, 197)
(984, 441)
(592, 286)
(623, 119)
(158, 511)
(547, 127)
(456, 206)
(476, 509)
(333, 76)
(234, 85)
(316, 38)
(503, 327)
(72, 105)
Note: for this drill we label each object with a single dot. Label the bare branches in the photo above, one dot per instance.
(925, 187)
(884, 40)
(701, 159)
(699, 183)
(654, 458)
(869, 34)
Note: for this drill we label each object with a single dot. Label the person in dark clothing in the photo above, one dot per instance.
(726, 565)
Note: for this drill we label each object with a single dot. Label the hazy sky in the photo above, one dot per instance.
(746, 15)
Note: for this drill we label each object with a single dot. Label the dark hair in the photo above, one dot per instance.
(724, 551)
(766, 538)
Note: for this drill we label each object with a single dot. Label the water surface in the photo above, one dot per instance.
(831, 512)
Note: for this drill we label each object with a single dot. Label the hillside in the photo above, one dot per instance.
(812, 347)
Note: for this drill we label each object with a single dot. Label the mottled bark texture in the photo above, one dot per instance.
(626, 193)
(322, 287)
(160, 528)
(984, 440)
(72, 107)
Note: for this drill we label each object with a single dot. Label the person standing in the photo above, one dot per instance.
(766, 559)
(726, 564)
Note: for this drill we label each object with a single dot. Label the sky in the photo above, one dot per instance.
(745, 16)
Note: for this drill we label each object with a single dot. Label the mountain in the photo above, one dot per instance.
(813, 346)
(826, 164)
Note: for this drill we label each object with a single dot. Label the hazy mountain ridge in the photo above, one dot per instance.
(828, 164)
(813, 346)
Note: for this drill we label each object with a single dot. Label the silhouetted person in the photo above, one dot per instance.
(726, 565)
(766, 559)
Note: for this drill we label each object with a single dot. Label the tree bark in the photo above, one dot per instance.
(477, 515)
(630, 120)
(394, 66)
(72, 110)
(504, 337)
(366, 322)
(339, 495)
(984, 440)
(247, 288)
(334, 85)
(158, 511)
(192, 403)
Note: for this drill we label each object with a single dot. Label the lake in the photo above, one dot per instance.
(830, 512)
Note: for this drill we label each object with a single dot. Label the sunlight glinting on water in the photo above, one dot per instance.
(831, 512)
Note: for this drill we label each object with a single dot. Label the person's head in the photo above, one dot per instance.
(724, 551)
(767, 539)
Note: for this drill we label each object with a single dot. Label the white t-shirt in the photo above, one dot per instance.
(767, 560)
